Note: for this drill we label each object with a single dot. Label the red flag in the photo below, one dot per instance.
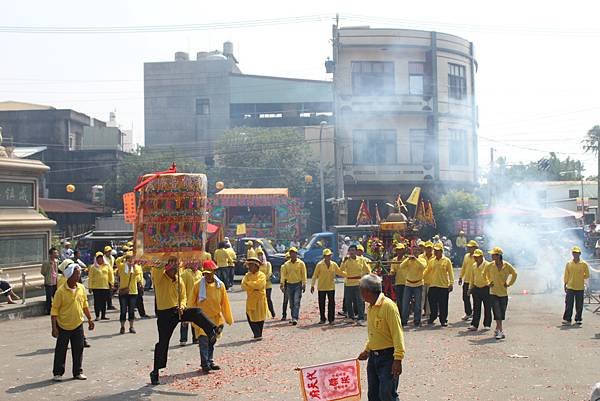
(331, 382)
(363, 216)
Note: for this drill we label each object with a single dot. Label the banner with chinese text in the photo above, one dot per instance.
(336, 381)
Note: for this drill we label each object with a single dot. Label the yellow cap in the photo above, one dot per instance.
(438, 247)
(576, 249)
(99, 254)
(125, 248)
(428, 244)
(478, 252)
(249, 243)
(129, 253)
(293, 249)
(473, 243)
(399, 245)
(359, 247)
(327, 252)
(107, 248)
(130, 243)
(496, 251)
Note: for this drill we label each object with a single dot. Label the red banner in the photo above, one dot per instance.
(331, 382)
(129, 208)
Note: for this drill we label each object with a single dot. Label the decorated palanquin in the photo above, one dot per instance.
(171, 218)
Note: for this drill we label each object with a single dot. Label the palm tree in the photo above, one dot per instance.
(591, 143)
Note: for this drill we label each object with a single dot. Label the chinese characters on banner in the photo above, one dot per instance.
(129, 207)
(331, 382)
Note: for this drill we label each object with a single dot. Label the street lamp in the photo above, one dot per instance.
(321, 180)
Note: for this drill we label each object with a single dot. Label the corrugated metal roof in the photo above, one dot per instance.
(253, 192)
(15, 106)
(266, 89)
(50, 205)
(28, 151)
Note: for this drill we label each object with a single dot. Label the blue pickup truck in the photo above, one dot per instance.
(312, 253)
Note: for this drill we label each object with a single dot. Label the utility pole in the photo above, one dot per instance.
(491, 174)
(321, 179)
(598, 176)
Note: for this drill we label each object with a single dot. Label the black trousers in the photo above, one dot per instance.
(499, 305)
(573, 296)
(270, 302)
(50, 290)
(167, 320)
(467, 299)
(330, 296)
(60, 352)
(139, 304)
(256, 327)
(481, 296)
(101, 297)
(438, 303)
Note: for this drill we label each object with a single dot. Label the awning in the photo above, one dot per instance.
(50, 205)
(253, 197)
(253, 192)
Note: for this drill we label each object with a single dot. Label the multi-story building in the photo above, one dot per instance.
(190, 103)
(405, 113)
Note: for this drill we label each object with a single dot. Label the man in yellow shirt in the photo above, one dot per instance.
(360, 254)
(426, 254)
(171, 309)
(224, 261)
(441, 279)
(576, 272)
(498, 273)
(414, 269)
(190, 276)
(250, 252)
(231, 266)
(479, 289)
(69, 306)
(465, 274)
(324, 276)
(353, 269)
(385, 344)
(399, 274)
(293, 281)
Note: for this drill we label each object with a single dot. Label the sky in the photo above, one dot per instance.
(537, 85)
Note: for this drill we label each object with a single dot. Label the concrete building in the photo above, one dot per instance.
(190, 103)
(405, 113)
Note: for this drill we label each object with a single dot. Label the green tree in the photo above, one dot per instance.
(455, 205)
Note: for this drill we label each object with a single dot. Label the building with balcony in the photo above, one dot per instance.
(405, 114)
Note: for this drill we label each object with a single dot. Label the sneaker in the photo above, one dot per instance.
(154, 378)
(499, 335)
(503, 335)
(466, 317)
(86, 344)
(579, 323)
(206, 369)
(566, 323)
(330, 323)
(360, 323)
(96, 319)
(182, 343)
(215, 367)
(472, 328)
(104, 318)
(283, 318)
(486, 328)
(132, 330)
(445, 324)
(294, 322)
(57, 378)
(80, 376)
(322, 321)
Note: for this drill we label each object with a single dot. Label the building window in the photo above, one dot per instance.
(416, 78)
(372, 78)
(417, 145)
(202, 106)
(573, 193)
(457, 81)
(374, 147)
(458, 147)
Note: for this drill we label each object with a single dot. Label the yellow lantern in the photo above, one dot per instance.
(308, 179)
(70, 188)
(220, 185)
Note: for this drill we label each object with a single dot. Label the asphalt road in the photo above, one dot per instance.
(539, 360)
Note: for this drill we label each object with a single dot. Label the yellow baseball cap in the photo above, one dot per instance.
(99, 254)
(473, 243)
(428, 244)
(399, 245)
(125, 248)
(107, 248)
(438, 247)
(129, 243)
(478, 252)
(327, 252)
(293, 249)
(496, 251)
(576, 249)
(249, 243)
(359, 247)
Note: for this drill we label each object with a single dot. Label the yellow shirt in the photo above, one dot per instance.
(256, 302)
(190, 277)
(110, 260)
(478, 275)
(366, 261)
(467, 265)
(68, 306)
(223, 258)
(132, 278)
(427, 274)
(498, 277)
(325, 275)
(399, 270)
(250, 253)
(101, 277)
(575, 275)
(414, 269)
(440, 272)
(293, 272)
(60, 280)
(353, 270)
(165, 290)
(268, 272)
(232, 255)
(215, 306)
(384, 327)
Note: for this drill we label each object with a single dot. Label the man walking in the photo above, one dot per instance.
(69, 306)
(399, 274)
(414, 269)
(385, 344)
(353, 269)
(439, 270)
(576, 272)
(464, 277)
(49, 270)
(324, 276)
(293, 280)
(479, 289)
(498, 273)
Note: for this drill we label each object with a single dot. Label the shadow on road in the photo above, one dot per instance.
(237, 343)
(483, 341)
(142, 393)
(42, 351)
(31, 386)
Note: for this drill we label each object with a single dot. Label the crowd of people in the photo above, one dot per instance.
(197, 297)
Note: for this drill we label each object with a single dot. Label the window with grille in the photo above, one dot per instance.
(202, 106)
(458, 147)
(372, 78)
(416, 78)
(457, 81)
(374, 146)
